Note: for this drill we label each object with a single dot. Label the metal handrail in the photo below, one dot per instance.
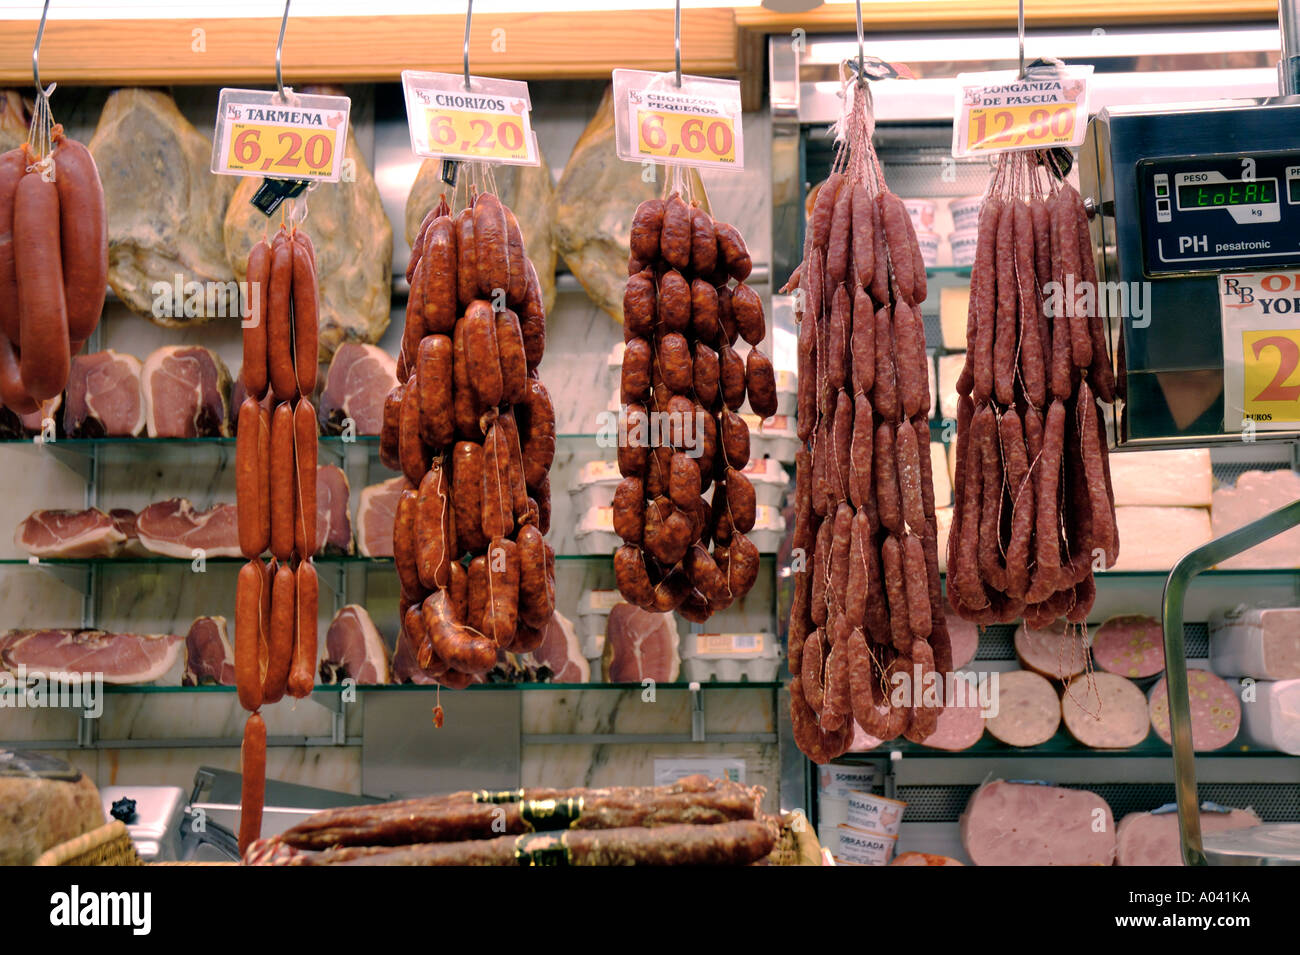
(1180, 711)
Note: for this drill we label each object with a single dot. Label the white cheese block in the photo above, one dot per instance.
(1258, 642)
(1256, 494)
(939, 471)
(950, 367)
(1272, 719)
(1154, 538)
(954, 301)
(1162, 478)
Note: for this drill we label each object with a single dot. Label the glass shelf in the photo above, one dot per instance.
(938, 271)
(147, 689)
(1062, 744)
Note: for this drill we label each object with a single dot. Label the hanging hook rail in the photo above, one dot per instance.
(1020, 32)
(36, 50)
(279, 50)
(862, 59)
(469, 13)
(677, 40)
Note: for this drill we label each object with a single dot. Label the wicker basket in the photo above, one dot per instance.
(108, 845)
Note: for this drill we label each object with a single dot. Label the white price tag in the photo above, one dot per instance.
(1261, 350)
(260, 134)
(695, 124)
(489, 122)
(999, 112)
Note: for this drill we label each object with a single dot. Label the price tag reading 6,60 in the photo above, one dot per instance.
(692, 122)
(685, 137)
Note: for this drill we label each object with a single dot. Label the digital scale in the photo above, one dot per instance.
(1183, 194)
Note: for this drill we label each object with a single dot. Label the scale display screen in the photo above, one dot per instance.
(1213, 213)
(1218, 195)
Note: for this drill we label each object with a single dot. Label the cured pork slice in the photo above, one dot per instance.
(119, 657)
(209, 658)
(1052, 652)
(104, 396)
(1216, 710)
(639, 646)
(1131, 646)
(124, 520)
(164, 211)
(175, 529)
(60, 533)
(1105, 711)
(353, 239)
(1022, 824)
(354, 649)
(406, 669)
(359, 379)
(1028, 709)
(186, 393)
(1149, 838)
(333, 522)
(375, 513)
(561, 652)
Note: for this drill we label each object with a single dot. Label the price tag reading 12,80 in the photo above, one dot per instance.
(998, 112)
(260, 134)
(489, 122)
(695, 124)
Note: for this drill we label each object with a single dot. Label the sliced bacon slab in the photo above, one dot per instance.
(209, 658)
(187, 393)
(118, 657)
(175, 529)
(359, 379)
(104, 396)
(72, 534)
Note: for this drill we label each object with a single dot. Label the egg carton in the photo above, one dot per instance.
(730, 657)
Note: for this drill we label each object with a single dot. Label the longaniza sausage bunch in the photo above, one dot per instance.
(472, 428)
(683, 384)
(275, 462)
(1035, 513)
(53, 263)
(867, 614)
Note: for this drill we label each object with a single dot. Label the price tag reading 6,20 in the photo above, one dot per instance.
(489, 122)
(259, 134)
(998, 112)
(694, 124)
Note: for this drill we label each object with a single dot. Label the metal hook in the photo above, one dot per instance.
(469, 12)
(1020, 30)
(677, 40)
(279, 49)
(36, 50)
(862, 60)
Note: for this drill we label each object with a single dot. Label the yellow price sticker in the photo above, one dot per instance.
(283, 152)
(688, 137)
(499, 136)
(1009, 127)
(1272, 374)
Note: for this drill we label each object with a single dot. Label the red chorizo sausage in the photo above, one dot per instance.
(279, 327)
(248, 632)
(305, 316)
(252, 763)
(302, 671)
(257, 286)
(44, 346)
(280, 635)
